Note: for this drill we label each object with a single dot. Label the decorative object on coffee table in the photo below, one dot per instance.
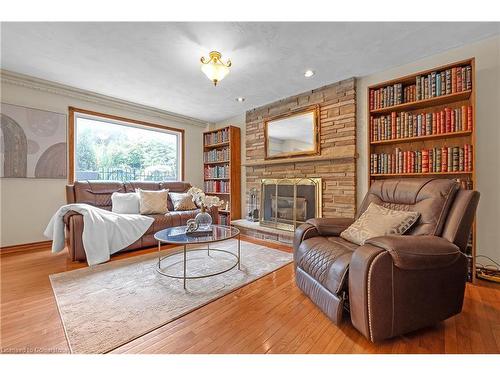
(204, 219)
(178, 236)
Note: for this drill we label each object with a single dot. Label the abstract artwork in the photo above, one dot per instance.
(32, 143)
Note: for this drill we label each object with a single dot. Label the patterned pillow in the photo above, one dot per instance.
(153, 201)
(182, 201)
(379, 221)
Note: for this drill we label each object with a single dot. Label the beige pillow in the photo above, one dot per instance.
(182, 201)
(153, 201)
(379, 221)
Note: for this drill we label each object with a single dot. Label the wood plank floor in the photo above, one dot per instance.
(270, 315)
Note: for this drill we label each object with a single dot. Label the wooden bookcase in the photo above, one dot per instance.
(458, 138)
(229, 162)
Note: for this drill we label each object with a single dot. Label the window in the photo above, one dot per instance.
(111, 148)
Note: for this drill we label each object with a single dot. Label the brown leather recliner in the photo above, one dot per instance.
(98, 193)
(393, 284)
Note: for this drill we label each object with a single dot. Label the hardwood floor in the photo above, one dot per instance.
(270, 315)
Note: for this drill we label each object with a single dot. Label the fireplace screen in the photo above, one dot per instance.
(287, 203)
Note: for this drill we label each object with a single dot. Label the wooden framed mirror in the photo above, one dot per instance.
(292, 134)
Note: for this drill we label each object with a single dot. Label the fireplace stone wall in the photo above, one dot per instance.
(336, 164)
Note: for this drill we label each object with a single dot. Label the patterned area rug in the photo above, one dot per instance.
(105, 306)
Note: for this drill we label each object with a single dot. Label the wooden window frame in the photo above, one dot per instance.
(71, 136)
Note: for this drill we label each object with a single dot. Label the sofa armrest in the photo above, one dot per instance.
(330, 226)
(418, 252)
(67, 216)
(302, 233)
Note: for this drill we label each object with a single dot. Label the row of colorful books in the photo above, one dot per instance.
(435, 84)
(445, 159)
(444, 82)
(217, 186)
(219, 171)
(405, 125)
(217, 137)
(216, 155)
(392, 95)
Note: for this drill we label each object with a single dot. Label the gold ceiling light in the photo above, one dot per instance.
(214, 68)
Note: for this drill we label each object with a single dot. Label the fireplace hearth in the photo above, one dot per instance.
(287, 203)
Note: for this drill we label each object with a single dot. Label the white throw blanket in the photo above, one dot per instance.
(104, 232)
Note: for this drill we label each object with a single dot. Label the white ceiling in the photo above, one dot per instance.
(157, 64)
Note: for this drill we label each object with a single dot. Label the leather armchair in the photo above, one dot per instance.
(393, 284)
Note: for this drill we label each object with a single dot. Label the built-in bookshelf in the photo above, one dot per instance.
(222, 170)
(424, 124)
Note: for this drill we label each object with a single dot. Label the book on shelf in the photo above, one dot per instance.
(433, 160)
(434, 84)
(224, 219)
(398, 125)
(217, 186)
(218, 171)
(216, 155)
(215, 137)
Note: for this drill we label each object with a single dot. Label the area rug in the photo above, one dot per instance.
(107, 305)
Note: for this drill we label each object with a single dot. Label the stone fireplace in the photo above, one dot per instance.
(287, 203)
(334, 167)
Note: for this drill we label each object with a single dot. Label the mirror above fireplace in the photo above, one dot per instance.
(292, 134)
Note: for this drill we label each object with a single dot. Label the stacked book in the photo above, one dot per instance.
(217, 186)
(405, 124)
(219, 171)
(216, 155)
(465, 183)
(392, 95)
(444, 159)
(217, 137)
(445, 82)
(223, 219)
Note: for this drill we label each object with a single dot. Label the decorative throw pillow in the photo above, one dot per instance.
(153, 201)
(182, 201)
(379, 221)
(125, 203)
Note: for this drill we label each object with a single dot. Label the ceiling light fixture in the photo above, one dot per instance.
(308, 73)
(240, 99)
(214, 68)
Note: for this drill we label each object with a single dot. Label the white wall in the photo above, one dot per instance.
(27, 204)
(487, 54)
(240, 122)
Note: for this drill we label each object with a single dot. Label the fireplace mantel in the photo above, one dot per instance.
(337, 156)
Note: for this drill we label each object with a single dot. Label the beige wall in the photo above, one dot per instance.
(240, 122)
(27, 204)
(487, 54)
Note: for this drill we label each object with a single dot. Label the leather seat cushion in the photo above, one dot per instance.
(326, 259)
(170, 219)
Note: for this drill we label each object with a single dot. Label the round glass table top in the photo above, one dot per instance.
(177, 235)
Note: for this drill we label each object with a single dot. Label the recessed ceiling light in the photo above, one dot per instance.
(308, 73)
(240, 99)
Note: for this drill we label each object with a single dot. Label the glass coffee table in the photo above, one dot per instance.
(178, 236)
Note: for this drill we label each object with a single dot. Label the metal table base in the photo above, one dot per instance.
(185, 250)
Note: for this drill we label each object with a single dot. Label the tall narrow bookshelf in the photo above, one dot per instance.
(424, 124)
(222, 170)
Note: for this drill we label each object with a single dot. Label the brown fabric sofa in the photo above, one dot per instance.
(393, 284)
(98, 193)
